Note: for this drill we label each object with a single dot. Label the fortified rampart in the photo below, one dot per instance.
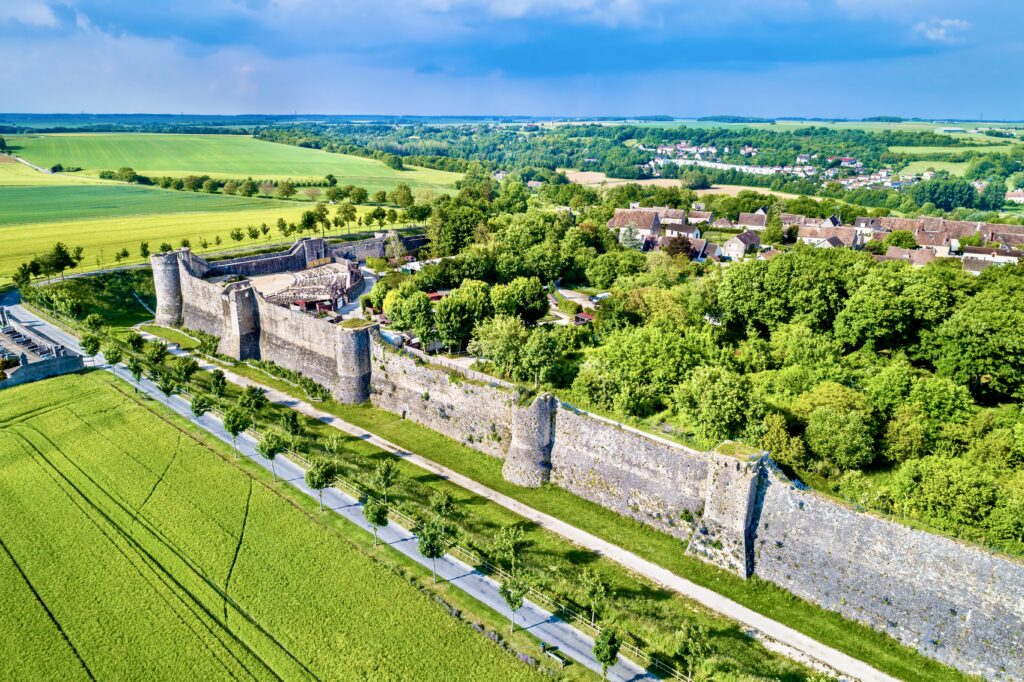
(40, 358)
(956, 603)
(251, 328)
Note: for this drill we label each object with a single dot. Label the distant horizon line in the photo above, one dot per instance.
(644, 118)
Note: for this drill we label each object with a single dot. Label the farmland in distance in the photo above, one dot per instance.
(220, 156)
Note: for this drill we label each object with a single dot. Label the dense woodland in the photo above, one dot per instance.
(895, 388)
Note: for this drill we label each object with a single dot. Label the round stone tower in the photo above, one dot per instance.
(528, 461)
(352, 349)
(167, 282)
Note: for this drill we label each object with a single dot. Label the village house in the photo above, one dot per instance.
(1016, 196)
(754, 221)
(697, 217)
(740, 245)
(702, 250)
(643, 221)
(830, 243)
(675, 231)
(1000, 256)
(917, 258)
(830, 236)
(670, 216)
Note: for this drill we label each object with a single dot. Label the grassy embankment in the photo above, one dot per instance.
(189, 565)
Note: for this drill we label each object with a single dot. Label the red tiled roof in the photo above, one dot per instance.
(752, 219)
(639, 218)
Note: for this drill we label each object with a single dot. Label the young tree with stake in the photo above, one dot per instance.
(135, 367)
(200, 405)
(335, 444)
(510, 543)
(693, 645)
(269, 447)
(218, 384)
(236, 420)
(433, 542)
(253, 399)
(165, 382)
(384, 476)
(594, 590)
(318, 477)
(606, 649)
(512, 591)
(113, 353)
(376, 514)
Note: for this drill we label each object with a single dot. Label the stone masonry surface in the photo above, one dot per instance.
(955, 603)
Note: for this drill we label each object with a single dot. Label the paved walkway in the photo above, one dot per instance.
(792, 642)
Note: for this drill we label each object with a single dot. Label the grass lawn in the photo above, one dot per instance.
(186, 565)
(221, 156)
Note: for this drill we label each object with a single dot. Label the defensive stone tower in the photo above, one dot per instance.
(241, 336)
(167, 282)
(723, 535)
(352, 349)
(528, 461)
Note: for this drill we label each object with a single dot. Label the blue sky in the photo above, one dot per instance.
(846, 58)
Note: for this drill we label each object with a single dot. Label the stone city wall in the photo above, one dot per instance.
(950, 601)
(657, 484)
(200, 306)
(295, 258)
(330, 355)
(43, 369)
(466, 411)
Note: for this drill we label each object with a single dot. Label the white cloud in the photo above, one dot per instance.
(27, 12)
(942, 30)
